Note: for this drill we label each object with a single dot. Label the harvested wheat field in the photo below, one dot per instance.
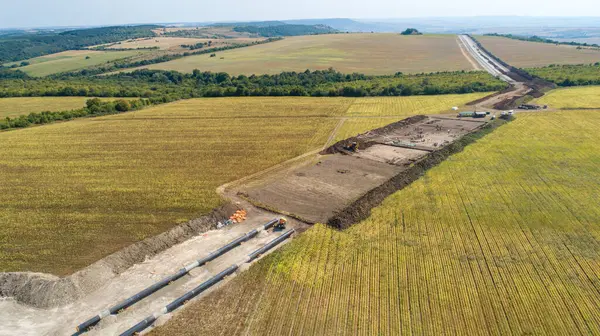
(523, 54)
(369, 113)
(80, 190)
(14, 107)
(77, 191)
(74, 60)
(373, 54)
(500, 239)
(175, 43)
(583, 97)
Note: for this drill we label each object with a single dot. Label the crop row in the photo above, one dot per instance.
(501, 239)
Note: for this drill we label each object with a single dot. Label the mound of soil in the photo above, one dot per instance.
(47, 291)
(361, 208)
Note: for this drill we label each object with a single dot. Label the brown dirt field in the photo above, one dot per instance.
(315, 193)
(524, 54)
(318, 191)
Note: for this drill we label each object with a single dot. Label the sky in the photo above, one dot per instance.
(44, 13)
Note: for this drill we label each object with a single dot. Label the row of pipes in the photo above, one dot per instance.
(121, 306)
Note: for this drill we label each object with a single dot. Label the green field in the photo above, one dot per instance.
(374, 54)
(77, 191)
(500, 239)
(585, 97)
(73, 60)
(14, 107)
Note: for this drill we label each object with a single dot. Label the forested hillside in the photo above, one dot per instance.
(25, 46)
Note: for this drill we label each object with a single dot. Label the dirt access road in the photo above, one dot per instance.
(519, 86)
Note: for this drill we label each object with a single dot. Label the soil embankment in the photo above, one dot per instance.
(47, 291)
(361, 208)
(341, 186)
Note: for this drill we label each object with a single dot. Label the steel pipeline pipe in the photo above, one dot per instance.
(148, 321)
(116, 309)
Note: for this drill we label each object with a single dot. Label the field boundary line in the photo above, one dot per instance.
(334, 132)
(222, 188)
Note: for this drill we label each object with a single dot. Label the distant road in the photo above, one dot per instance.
(486, 61)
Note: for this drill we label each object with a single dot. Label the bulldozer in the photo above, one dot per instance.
(352, 147)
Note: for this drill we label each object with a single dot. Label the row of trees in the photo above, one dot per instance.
(176, 85)
(570, 75)
(536, 38)
(94, 107)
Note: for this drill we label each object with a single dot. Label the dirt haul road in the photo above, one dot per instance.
(18, 319)
(496, 69)
(486, 61)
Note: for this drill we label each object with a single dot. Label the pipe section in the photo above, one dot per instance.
(116, 309)
(148, 321)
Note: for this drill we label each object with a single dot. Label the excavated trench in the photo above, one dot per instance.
(341, 186)
(47, 291)
(361, 208)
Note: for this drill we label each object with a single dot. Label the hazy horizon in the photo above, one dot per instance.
(69, 13)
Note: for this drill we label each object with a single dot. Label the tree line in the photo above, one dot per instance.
(175, 85)
(569, 75)
(536, 38)
(94, 107)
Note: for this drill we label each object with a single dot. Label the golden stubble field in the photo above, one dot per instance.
(77, 191)
(523, 54)
(72, 60)
(500, 239)
(373, 54)
(583, 97)
(174, 43)
(14, 107)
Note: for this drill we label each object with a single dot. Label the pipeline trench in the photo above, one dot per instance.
(19, 319)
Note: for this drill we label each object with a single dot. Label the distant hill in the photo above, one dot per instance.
(286, 30)
(345, 25)
(261, 24)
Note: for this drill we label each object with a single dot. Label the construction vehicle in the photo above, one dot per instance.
(507, 115)
(352, 147)
(280, 225)
(472, 114)
(530, 107)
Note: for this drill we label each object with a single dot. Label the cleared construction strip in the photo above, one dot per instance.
(116, 309)
(147, 322)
